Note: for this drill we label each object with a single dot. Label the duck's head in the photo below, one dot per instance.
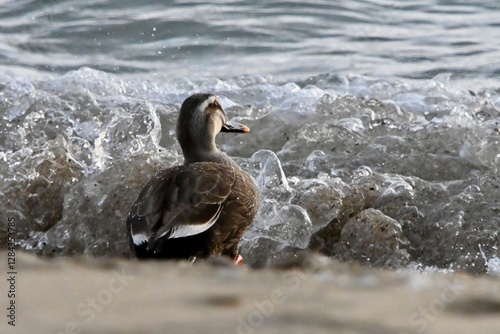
(201, 118)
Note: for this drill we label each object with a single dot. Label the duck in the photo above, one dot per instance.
(203, 207)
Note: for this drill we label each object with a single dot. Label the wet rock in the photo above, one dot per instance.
(373, 238)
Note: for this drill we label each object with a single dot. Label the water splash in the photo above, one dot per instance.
(390, 173)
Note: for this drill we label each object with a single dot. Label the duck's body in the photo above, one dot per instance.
(201, 208)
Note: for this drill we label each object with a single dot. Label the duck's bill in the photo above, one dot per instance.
(235, 127)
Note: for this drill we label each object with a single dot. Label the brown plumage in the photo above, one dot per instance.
(201, 208)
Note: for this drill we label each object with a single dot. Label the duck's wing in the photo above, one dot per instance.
(180, 202)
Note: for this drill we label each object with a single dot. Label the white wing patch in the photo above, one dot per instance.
(181, 231)
(187, 230)
(139, 239)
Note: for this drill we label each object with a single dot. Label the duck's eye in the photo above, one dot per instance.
(216, 104)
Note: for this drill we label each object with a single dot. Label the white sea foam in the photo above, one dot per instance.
(387, 172)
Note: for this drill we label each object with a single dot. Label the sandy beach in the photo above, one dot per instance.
(314, 295)
(374, 141)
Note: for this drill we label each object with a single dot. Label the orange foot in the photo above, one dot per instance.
(239, 260)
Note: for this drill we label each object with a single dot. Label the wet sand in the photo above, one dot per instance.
(89, 295)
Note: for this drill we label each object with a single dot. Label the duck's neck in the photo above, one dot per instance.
(201, 147)
(203, 154)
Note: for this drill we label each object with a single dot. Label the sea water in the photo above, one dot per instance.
(375, 125)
